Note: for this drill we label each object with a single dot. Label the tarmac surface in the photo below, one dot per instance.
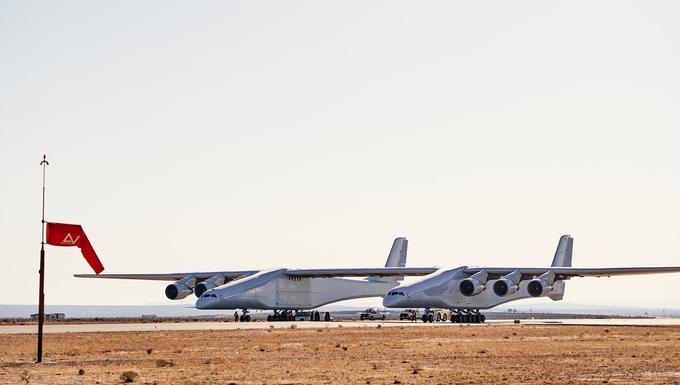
(215, 325)
(360, 353)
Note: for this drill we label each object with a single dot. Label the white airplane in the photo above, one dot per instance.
(465, 290)
(283, 290)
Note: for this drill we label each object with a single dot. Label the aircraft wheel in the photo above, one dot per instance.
(482, 318)
(317, 316)
(439, 317)
(269, 318)
(241, 318)
(424, 317)
(475, 319)
(431, 318)
(247, 317)
(327, 317)
(445, 317)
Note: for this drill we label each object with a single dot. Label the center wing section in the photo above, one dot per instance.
(362, 272)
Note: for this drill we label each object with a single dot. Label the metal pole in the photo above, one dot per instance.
(41, 290)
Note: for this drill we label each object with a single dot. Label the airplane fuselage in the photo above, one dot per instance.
(274, 290)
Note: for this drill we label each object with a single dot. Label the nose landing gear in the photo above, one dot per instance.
(467, 316)
(245, 316)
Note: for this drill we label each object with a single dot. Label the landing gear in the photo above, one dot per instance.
(245, 316)
(281, 315)
(467, 316)
(292, 315)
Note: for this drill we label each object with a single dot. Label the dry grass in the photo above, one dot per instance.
(511, 354)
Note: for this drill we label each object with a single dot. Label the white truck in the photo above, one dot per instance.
(372, 314)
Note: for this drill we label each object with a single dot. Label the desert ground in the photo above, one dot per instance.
(507, 354)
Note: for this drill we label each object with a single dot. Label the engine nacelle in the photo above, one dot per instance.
(178, 291)
(470, 286)
(474, 284)
(209, 284)
(538, 287)
(504, 287)
(508, 284)
(182, 288)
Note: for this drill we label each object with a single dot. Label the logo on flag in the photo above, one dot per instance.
(69, 241)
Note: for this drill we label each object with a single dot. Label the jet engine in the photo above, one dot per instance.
(209, 284)
(474, 284)
(181, 289)
(507, 285)
(541, 286)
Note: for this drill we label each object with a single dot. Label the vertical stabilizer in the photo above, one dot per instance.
(397, 255)
(563, 253)
(562, 258)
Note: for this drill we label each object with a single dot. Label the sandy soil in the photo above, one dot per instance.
(513, 354)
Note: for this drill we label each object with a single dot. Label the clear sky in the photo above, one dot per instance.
(225, 135)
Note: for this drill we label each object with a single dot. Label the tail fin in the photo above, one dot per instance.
(563, 253)
(562, 259)
(397, 255)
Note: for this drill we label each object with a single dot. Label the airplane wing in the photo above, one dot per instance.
(494, 272)
(568, 272)
(233, 275)
(200, 276)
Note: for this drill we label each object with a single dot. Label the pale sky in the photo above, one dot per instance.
(224, 135)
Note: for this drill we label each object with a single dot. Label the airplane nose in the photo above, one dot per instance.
(394, 298)
(388, 302)
(206, 302)
(201, 303)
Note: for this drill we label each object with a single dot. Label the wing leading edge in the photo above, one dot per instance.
(200, 276)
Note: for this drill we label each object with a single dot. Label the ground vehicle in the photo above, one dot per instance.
(372, 314)
(431, 315)
(407, 314)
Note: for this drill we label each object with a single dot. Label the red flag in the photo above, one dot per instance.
(62, 234)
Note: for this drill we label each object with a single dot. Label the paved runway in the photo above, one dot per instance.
(164, 326)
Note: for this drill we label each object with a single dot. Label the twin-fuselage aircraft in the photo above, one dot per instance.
(464, 290)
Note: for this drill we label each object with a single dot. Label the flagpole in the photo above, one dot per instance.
(41, 290)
